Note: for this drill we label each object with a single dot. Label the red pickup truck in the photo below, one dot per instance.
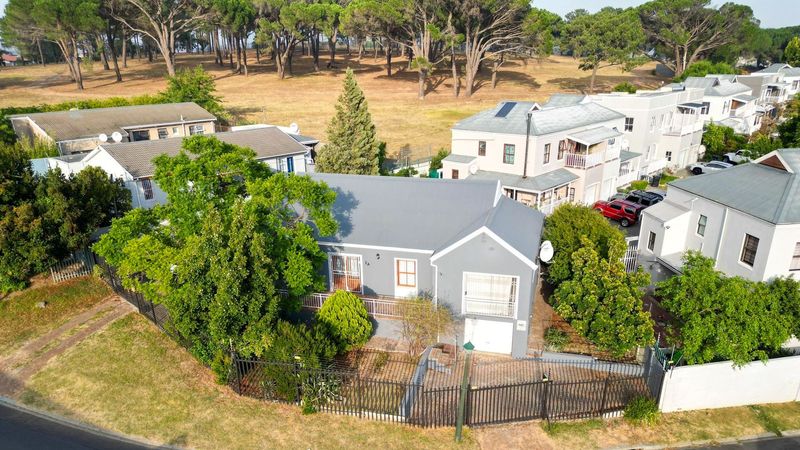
(626, 212)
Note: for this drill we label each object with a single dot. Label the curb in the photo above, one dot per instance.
(5, 401)
(708, 442)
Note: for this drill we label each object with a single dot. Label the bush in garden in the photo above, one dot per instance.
(346, 319)
(221, 366)
(625, 87)
(555, 339)
(639, 185)
(642, 410)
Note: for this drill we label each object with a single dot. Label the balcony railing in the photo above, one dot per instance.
(685, 126)
(612, 153)
(580, 161)
(627, 177)
(381, 306)
(488, 307)
(549, 207)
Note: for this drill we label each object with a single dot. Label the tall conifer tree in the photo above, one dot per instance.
(352, 147)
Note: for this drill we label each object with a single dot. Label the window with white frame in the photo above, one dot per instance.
(749, 250)
(406, 272)
(701, 225)
(196, 129)
(174, 130)
(490, 295)
(795, 258)
(147, 187)
(346, 273)
(651, 241)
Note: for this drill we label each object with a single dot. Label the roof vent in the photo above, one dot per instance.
(505, 109)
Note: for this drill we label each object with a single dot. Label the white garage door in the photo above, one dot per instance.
(489, 335)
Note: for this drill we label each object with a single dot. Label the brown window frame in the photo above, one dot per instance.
(398, 273)
(454, 174)
(481, 148)
(746, 257)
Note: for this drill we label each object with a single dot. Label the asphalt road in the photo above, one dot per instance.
(775, 443)
(24, 430)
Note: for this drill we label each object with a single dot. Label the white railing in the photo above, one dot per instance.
(685, 126)
(627, 177)
(612, 153)
(656, 165)
(488, 307)
(579, 161)
(548, 208)
(384, 307)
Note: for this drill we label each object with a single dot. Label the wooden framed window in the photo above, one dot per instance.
(546, 153)
(454, 174)
(147, 187)
(346, 274)
(490, 295)
(651, 241)
(749, 250)
(795, 258)
(508, 154)
(701, 225)
(162, 133)
(481, 148)
(406, 272)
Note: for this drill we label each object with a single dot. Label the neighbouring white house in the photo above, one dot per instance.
(728, 102)
(82, 130)
(772, 86)
(664, 126)
(132, 161)
(747, 218)
(790, 75)
(569, 149)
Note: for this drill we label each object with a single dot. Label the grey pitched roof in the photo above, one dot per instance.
(136, 157)
(462, 159)
(594, 135)
(561, 100)
(539, 183)
(425, 214)
(765, 192)
(717, 87)
(543, 121)
(774, 68)
(722, 76)
(791, 72)
(625, 155)
(308, 140)
(89, 123)
(745, 98)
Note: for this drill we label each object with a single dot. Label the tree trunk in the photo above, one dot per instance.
(360, 50)
(103, 55)
(423, 73)
(113, 49)
(124, 48)
(238, 45)
(591, 82)
(218, 46)
(332, 47)
(77, 63)
(347, 42)
(389, 63)
(41, 55)
(456, 79)
(258, 53)
(495, 68)
(375, 49)
(314, 43)
(244, 54)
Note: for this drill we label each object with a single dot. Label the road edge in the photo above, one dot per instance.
(707, 442)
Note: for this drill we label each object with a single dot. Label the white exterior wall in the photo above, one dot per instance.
(720, 385)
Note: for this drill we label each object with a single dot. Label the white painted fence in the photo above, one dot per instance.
(721, 385)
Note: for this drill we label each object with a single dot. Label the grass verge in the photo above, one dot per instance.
(133, 379)
(22, 320)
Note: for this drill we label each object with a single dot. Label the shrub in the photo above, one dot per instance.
(346, 319)
(221, 366)
(625, 87)
(194, 85)
(555, 339)
(380, 361)
(436, 162)
(705, 67)
(318, 389)
(642, 410)
(639, 185)
(423, 323)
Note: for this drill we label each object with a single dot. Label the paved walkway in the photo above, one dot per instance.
(32, 356)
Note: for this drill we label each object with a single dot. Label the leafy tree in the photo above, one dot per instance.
(791, 54)
(705, 67)
(611, 37)
(423, 324)
(227, 239)
(625, 87)
(436, 162)
(352, 146)
(761, 144)
(18, 29)
(346, 318)
(280, 27)
(566, 228)
(603, 302)
(311, 344)
(194, 85)
(790, 132)
(724, 318)
(719, 139)
(237, 17)
(684, 30)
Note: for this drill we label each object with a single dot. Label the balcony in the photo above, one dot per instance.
(612, 153)
(627, 177)
(581, 161)
(685, 124)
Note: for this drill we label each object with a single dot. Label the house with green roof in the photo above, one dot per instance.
(747, 218)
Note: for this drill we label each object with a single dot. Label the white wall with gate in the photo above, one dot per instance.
(721, 385)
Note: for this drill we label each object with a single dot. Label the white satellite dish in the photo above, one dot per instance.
(473, 169)
(103, 137)
(294, 128)
(546, 252)
(116, 136)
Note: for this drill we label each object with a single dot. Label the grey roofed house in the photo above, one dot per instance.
(594, 135)
(717, 87)
(136, 157)
(773, 68)
(89, 123)
(510, 118)
(768, 188)
(559, 100)
(539, 183)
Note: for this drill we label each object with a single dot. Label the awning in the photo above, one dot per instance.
(594, 135)
(665, 212)
(459, 159)
(691, 105)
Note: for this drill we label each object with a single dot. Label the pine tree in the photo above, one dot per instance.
(792, 52)
(352, 147)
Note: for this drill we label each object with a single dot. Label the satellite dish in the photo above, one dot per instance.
(103, 137)
(116, 136)
(294, 128)
(473, 169)
(546, 252)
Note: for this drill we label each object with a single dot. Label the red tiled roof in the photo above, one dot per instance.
(9, 58)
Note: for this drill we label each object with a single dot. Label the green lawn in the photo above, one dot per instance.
(133, 379)
(21, 320)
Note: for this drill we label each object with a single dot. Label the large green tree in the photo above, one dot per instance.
(720, 318)
(566, 228)
(611, 37)
(352, 146)
(791, 55)
(229, 236)
(705, 67)
(603, 302)
(683, 31)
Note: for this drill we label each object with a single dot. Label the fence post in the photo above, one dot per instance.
(545, 389)
(462, 399)
(235, 365)
(298, 395)
(358, 393)
(605, 391)
(153, 313)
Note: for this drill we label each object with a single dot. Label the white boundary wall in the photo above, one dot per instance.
(721, 385)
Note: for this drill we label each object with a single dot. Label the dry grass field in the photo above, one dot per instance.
(308, 98)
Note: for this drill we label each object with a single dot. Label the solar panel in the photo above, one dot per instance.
(507, 107)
